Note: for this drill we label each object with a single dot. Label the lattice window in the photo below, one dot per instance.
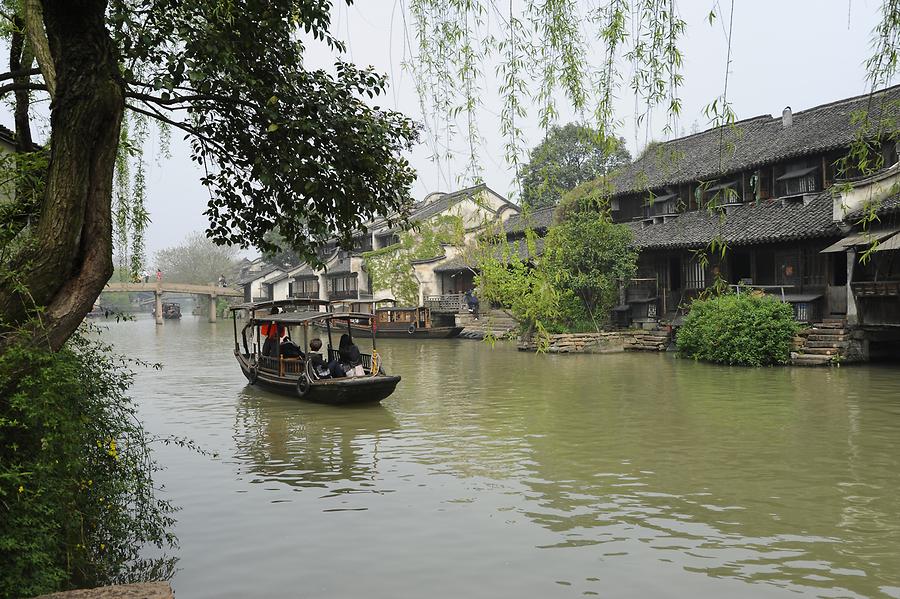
(694, 275)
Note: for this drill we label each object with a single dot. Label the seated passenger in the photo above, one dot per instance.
(350, 358)
(272, 333)
(289, 349)
(318, 362)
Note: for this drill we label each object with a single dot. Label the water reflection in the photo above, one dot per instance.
(304, 445)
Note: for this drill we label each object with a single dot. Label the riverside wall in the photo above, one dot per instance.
(602, 343)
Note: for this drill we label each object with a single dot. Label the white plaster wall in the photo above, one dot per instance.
(280, 289)
(857, 197)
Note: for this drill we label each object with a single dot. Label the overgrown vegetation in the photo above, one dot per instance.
(77, 499)
(592, 258)
(748, 329)
(574, 284)
(390, 267)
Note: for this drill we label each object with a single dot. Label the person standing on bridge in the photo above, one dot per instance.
(146, 276)
(158, 275)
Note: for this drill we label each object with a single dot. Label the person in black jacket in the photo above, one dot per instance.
(348, 358)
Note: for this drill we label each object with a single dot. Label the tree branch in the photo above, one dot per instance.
(19, 73)
(149, 98)
(11, 87)
(156, 114)
(37, 37)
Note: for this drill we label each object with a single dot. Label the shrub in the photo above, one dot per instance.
(745, 330)
(77, 502)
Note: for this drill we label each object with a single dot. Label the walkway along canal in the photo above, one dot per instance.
(499, 473)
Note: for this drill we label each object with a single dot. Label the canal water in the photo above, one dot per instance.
(495, 473)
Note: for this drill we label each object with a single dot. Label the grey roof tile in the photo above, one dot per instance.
(754, 223)
(538, 220)
(753, 142)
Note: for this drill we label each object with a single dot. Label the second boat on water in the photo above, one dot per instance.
(397, 322)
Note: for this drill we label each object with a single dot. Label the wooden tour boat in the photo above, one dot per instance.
(398, 322)
(297, 376)
(170, 311)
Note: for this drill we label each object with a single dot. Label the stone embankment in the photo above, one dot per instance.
(144, 590)
(827, 343)
(496, 322)
(603, 342)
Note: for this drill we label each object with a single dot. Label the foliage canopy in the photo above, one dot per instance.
(748, 329)
(197, 260)
(592, 258)
(567, 157)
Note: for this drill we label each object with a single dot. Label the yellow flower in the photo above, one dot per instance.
(21, 489)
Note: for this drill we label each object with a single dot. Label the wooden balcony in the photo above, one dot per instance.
(306, 294)
(876, 288)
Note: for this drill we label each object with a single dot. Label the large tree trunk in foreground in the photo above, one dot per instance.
(70, 259)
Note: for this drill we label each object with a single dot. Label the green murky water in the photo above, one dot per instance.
(493, 473)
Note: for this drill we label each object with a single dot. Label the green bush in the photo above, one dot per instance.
(745, 330)
(77, 502)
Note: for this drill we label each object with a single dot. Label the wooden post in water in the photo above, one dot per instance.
(158, 296)
(212, 307)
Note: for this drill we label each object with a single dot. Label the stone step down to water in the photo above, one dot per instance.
(821, 344)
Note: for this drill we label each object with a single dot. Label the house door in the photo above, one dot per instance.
(837, 283)
(673, 294)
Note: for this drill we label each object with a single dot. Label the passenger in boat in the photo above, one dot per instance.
(318, 362)
(273, 334)
(350, 358)
(289, 349)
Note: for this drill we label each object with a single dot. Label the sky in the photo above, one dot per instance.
(798, 53)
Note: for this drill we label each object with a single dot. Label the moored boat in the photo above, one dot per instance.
(295, 372)
(400, 322)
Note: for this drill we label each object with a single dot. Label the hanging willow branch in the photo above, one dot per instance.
(542, 55)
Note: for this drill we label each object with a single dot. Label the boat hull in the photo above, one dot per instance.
(432, 333)
(340, 391)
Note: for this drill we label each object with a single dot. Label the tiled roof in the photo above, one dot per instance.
(454, 264)
(342, 266)
(257, 274)
(538, 220)
(432, 206)
(7, 135)
(753, 142)
(754, 223)
(304, 270)
(458, 263)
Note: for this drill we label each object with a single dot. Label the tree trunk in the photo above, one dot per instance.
(69, 260)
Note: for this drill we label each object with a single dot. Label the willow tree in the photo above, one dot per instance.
(551, 55)
(278, 143)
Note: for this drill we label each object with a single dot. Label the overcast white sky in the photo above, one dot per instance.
(785, 52)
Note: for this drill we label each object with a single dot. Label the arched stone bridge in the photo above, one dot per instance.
(158, 288)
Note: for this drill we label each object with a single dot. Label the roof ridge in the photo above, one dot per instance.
(710, 130)
(869, 94)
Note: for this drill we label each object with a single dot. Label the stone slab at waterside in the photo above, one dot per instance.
(603, 342)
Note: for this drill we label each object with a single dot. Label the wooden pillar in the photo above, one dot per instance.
(852, 316)
(213, 300)
(158, 296)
